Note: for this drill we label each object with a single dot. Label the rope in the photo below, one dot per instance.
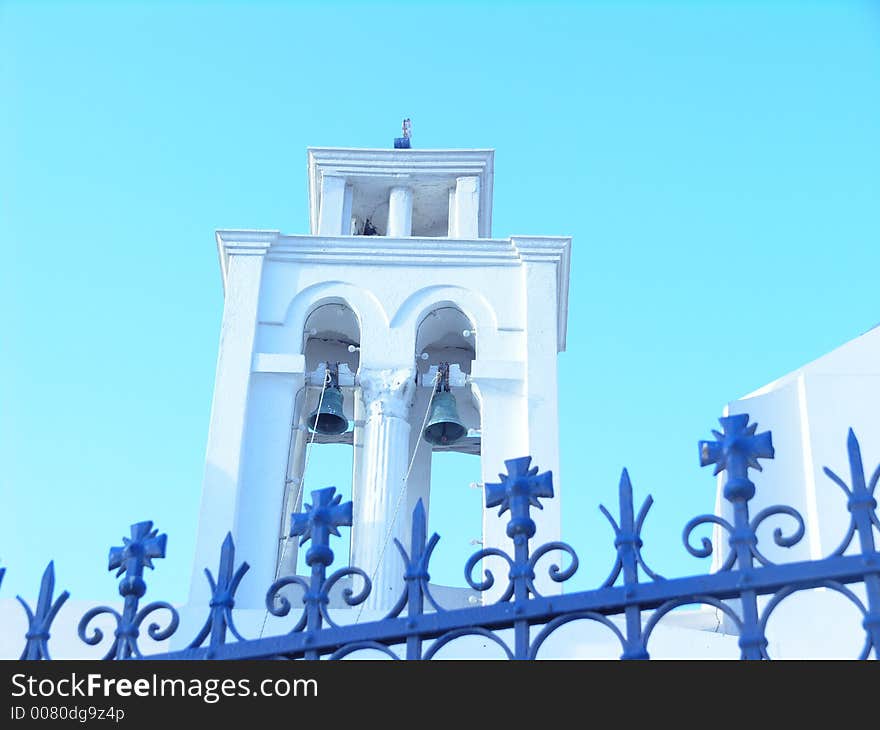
(402, 494)
(298, 491)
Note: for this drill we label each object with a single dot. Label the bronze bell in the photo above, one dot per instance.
(329, 419)
(444, 426)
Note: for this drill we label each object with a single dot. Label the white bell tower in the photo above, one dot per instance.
(398, 274)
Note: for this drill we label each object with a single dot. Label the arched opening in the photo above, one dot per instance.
(456, 514)
(332, 333)
(446, 335)
(318, 458)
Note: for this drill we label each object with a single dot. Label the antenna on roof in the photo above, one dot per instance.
(402, 143)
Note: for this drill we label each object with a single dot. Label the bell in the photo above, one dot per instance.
(444, 426)
(329, 418)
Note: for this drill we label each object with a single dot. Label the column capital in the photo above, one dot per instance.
(387, 392)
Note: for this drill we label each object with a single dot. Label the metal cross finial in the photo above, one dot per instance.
(136, 554)
(317, 522)
(131, 558)
(737, 449)
(518, 492)
(320, 520)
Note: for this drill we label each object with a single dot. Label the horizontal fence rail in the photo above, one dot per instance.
(417, 627)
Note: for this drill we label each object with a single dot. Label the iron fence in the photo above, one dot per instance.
(417, 626)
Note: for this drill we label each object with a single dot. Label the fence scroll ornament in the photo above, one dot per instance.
(521, 619)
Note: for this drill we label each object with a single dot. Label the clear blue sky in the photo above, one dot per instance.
(716, 163)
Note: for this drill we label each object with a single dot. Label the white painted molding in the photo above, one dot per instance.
(556, 250)
(369, 250)
(269, 362)
(513, 370)
(457, 379)
(244, 243)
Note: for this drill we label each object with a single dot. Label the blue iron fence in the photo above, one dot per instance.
(632, 590)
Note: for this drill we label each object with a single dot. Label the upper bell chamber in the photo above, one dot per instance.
(400, 192)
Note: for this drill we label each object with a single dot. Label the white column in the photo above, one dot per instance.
(400, 204)
(261, 489)
(419, 482)
(504, 427)
(543, 406)
(330, 218)
(289, 545)
(387, 396)
(452, 232)
(347, 200)
(220, 488)
(467, 207)
(357, 462)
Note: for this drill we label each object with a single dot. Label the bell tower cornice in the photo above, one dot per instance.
(360, 182)
(410, 251)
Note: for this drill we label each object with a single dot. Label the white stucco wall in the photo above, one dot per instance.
(810, 411)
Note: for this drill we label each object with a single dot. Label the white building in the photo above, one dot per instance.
(433, 286)
(810, 412)
(399, 274)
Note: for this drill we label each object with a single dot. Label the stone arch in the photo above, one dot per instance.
(369, 311)
(472, 304)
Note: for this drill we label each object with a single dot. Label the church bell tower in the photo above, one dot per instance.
(397, 325)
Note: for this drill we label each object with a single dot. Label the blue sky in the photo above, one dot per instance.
(716, 163)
